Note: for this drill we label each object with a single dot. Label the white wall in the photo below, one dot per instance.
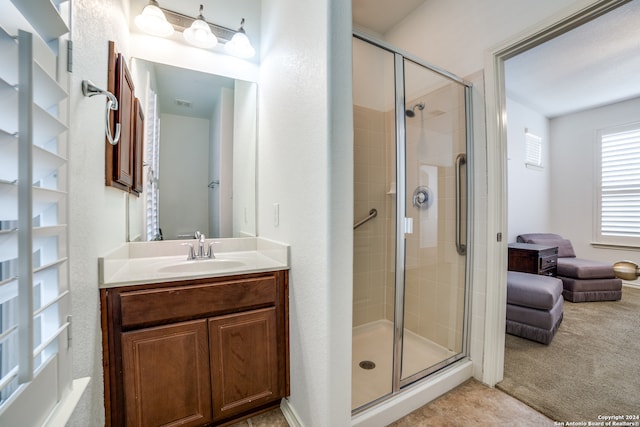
(529, 187)
(296, 172)
(183, 176)
(214, 170)
(244, 158)
(97, 214)
(574, 176)
(225, 133)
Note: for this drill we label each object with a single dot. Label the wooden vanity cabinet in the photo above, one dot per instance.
(195, 353)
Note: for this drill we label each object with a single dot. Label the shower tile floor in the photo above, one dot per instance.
(373, 342)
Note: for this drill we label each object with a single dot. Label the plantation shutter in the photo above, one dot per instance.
(533, 149)
(35, 362)
(620, 183)
(152, 162)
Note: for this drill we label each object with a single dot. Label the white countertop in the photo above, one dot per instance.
(165, 261)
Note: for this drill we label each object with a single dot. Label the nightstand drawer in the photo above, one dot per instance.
(548, 262)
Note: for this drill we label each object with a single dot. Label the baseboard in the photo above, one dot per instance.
(290, 414)
(64, 409)
(633, 285)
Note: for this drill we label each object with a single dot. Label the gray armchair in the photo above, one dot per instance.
(582, 279)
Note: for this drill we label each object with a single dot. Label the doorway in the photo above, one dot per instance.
(497, 162)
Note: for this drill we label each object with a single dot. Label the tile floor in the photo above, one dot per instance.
(470, 404)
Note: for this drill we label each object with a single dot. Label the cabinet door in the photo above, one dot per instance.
(167, 376)
(123, 159)
(119, 158)
(138, 147)
(244, 361)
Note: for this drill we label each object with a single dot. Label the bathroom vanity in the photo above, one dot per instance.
(208, 345)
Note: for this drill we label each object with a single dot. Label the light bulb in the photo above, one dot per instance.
(199, 33)
(152, 21)
(239, 45)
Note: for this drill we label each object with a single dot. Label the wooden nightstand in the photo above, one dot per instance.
(535, 259)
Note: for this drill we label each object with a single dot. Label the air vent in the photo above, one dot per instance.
(183, 103)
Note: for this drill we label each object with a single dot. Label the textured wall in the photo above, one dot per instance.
(96, 213)
(184, 175)
(529, 188)
(296, 168)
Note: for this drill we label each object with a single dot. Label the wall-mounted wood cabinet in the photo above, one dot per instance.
(195, 353)
(123, 161)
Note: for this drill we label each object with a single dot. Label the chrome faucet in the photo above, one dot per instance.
(202, 253)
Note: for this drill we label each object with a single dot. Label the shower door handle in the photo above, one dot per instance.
(461, 246)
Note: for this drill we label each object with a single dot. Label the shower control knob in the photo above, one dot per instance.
(421, 199)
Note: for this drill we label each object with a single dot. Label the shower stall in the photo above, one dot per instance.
(412, 156)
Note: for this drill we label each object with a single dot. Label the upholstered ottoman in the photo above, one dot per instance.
(587, 280)
(534, 306)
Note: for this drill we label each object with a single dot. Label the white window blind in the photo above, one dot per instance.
(533, 149)
(620, 184)
(34, 274)
(152, 162)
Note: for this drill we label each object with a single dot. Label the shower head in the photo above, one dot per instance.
(412, 111)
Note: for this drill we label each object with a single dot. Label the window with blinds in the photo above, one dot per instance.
(533, 149)
(34, 274)
(152, 162)
(619, 198)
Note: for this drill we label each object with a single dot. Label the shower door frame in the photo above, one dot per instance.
(398, 337)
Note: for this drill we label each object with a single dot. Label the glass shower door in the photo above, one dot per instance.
(374, 223)
(435, 227)
(409, 272)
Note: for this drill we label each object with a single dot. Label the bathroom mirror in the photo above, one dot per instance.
(204, 176)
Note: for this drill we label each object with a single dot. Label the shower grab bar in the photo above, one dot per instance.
(461, 160)
(372, 214)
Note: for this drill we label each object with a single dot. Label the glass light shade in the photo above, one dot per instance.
(240, 46)
(199, 34)
(152, 21)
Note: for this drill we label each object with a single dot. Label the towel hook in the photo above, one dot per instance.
(89, 89)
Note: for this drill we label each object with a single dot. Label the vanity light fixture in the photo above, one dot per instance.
(153, 21)
(239, 45)
(199, 34)
(196, 31)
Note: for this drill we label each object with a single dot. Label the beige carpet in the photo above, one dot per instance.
(591, 368)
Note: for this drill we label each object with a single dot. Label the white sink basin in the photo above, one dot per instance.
(202, 266)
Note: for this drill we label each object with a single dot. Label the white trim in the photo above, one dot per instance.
(495, 303)
(62, 412)
(290, 414)
(633, 285)
(555, 25)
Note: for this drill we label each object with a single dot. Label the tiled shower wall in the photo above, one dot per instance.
(435, 273)
(370, 191)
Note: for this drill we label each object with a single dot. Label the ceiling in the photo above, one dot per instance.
(381, 15)
(189, 93)
(595, 64)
